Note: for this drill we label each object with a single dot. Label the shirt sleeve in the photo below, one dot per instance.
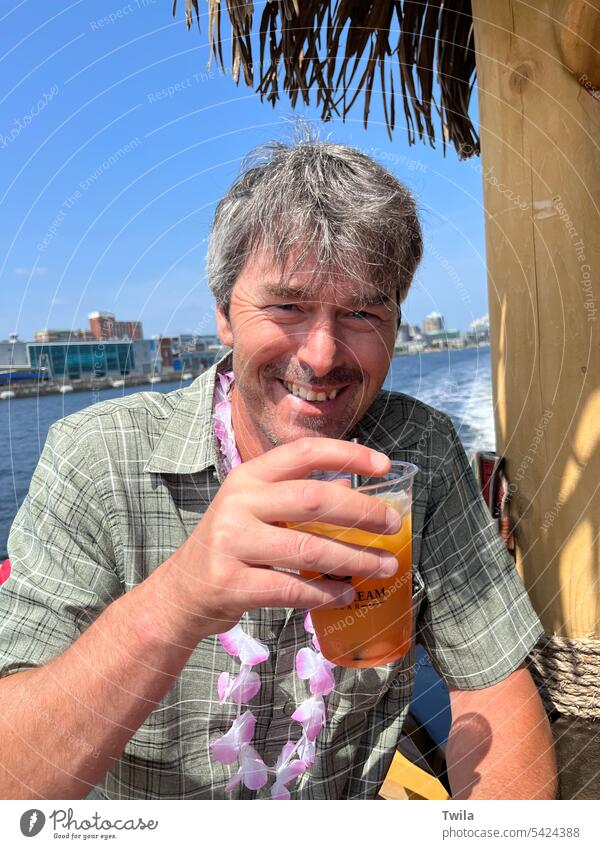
(477, 623)
(63, 574)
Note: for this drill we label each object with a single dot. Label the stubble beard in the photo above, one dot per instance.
(265, 422)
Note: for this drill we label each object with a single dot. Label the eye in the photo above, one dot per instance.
(361, 315)
(286, 307)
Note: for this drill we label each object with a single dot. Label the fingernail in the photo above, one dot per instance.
(388, 565)
(347, 597)
(393, 519)
(379, 461)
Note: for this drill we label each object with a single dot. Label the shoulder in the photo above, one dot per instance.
(141, 406)
(135, 417)
(405, 420)
(398, 404)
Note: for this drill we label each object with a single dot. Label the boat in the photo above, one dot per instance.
(117, 383)
(66, 387)
(7, 395)
(154, 379)
(187, 375)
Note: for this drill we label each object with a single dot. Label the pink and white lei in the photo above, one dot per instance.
(235, 747)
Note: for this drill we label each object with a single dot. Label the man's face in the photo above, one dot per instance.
(288, 344)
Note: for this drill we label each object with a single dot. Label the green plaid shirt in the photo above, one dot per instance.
(119, 487)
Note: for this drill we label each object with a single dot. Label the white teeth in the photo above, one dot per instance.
(308, 394)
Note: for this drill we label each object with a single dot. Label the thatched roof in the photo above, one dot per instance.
(384, 42)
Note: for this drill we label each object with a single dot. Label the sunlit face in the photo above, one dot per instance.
(329, 346)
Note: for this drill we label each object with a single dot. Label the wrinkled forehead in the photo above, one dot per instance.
(305, 278)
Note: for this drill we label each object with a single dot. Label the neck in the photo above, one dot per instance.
(249, 441)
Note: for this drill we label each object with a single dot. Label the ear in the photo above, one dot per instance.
(224, 327)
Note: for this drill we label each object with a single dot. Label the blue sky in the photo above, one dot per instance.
(115, 144)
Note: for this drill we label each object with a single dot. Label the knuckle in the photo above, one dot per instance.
(217, 540)
(310, 497)
(234, 476)
(379, 512)
(302, 447)
(293, 595)
(308, 552)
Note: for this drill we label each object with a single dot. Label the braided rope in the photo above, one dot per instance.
(567, 675)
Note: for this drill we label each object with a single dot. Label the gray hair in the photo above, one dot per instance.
(317, 197)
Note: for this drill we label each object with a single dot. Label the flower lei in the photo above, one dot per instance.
(235, 746)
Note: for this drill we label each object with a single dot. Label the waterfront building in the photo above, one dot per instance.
(415, 346)
(479, 330)
(13, 352)
(165, 351)
(89, 360)
(104, 326)
(14, 364)
(433, 323)
(51, 335)
(444, 339)
(193, 352)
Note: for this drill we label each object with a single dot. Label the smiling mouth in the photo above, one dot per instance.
(314, 395)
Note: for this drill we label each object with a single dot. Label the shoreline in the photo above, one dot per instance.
(400, 353)
(52, 387)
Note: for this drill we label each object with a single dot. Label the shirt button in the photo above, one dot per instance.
(289, 708)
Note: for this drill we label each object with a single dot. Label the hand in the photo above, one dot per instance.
(226, 563)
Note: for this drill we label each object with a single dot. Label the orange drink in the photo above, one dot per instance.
(377, 627)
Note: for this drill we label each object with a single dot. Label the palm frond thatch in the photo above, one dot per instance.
(342, 48)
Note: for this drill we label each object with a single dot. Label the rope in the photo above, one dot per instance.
(567, 675)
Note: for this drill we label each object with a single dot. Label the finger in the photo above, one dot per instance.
(267, 588)
(299, 458)
(307, 552)
(312, 501)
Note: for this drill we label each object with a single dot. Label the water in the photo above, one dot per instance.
(457, 382)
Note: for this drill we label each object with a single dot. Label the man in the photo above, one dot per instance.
(134, 548)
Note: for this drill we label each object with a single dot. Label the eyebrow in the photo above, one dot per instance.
(283, 290)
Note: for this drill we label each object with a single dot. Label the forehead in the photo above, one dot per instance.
(262, 277)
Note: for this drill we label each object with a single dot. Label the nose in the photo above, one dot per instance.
(320, 347)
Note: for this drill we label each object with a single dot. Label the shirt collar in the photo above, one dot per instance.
(188, 443)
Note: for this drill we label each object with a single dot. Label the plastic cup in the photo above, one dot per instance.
(377, 627)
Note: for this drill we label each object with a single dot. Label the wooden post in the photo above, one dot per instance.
(540, 132)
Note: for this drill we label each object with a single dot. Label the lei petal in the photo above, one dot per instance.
(312, 665)
(289, 773)
(285, 754)
(222, 425)
(280, 791)
(286, 771)
(311, 715)
(322, 682)
(227, 749)
(252, 772)
(307, 751)
(240, 688)
(252, 768)
(308, 626)
(239, 644)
